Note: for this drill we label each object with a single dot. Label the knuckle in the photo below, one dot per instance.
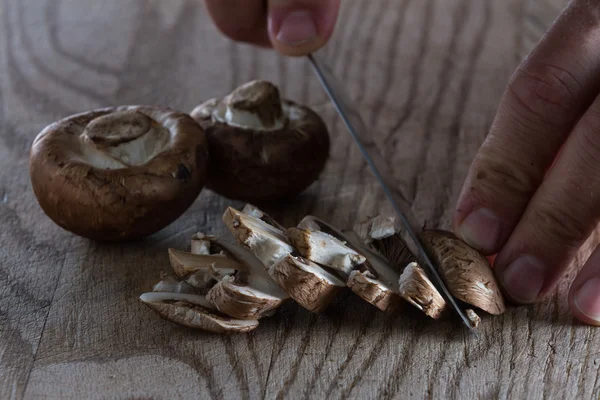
(499, 178)
(557, 225)
(588, 145)
(544, 91)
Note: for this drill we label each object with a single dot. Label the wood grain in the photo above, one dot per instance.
(427, 75)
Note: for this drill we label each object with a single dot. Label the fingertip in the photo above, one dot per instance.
(297, 28)
(584, 294)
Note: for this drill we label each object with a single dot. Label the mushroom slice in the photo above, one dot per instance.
(375, 228)
(386, 253)
(416, 288)
(307, 283)
(253, 211)
(194, 311)
(202, 270)
(184, 264)
(172, 285)
(465, 271)
(264, 240)
(323, 248)
(262, 147)
(249, 294)
(473, 318)
(119, 173)
(199, 244)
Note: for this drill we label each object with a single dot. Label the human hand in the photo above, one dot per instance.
(291, 27)
(536, 217)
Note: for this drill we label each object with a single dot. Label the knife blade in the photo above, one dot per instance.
(380, 168)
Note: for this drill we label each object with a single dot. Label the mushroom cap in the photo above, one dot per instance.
(262, 148)
(466, 272)
(194, 311)
(374, 291)
(307, 283)
(119, 173)
(242, 301)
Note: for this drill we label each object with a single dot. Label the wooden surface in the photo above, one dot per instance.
(428, 75)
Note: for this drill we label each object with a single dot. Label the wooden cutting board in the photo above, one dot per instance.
(428, 76)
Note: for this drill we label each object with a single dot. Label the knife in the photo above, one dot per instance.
(380, 168)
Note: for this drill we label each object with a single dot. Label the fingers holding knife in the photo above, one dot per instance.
(292, 27)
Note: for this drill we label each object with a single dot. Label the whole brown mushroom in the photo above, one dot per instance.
(119, 173)
(262, 147)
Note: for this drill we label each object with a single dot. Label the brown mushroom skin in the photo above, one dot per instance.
(122, 203)
(465, 271)
(258, 166)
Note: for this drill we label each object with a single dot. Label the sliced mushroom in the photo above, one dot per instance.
(203, 270)
(387, 255)
(253, 211)
(416, 288)
(194, 311)
(250, 294)
(265, 241)
(465, 271)
(119, 173)
(307, 283)
(473, 318)
(262, 147)
(172, 285)
(323, 248)
(378, 227)
(199, 244)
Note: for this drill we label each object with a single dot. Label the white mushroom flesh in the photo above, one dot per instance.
(266, 242)
(259, 277)
(171, 285)
(416, 288)
(324, 249)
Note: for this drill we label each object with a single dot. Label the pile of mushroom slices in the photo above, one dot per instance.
(219, 286)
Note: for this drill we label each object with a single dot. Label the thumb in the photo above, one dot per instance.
(299, 27)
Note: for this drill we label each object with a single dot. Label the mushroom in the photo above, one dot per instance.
(119, 173)
(249, 293)
(326, 248)
(262, 147)
(377, 280)
(310, 285)
(466, 272)
(202, 270)
(194, 311)
(307, 283)
(416, 288)
(264, 240)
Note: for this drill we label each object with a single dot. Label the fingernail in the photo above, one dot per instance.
(524, 279)
(297, 28)
(481, 230)
(587, 299)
